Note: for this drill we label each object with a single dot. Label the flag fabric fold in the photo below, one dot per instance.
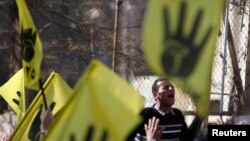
(14, 94)
(103, 106)
(13, 91)
(56, 90)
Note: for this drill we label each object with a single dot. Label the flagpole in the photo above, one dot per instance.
(116, 20)
(224, 58)
(43, 95)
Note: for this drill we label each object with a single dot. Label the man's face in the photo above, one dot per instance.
(166, 93)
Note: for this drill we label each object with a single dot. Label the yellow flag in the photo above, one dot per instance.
(179, 38)
(31, 47)
(13, 90)
(56, 90)
(103, 107)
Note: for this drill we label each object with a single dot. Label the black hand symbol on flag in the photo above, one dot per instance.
(36, 122)
(90, 135)
(28, 38)
(17, 101)
(181, 53)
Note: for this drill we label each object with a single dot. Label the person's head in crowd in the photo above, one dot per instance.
(164, 93)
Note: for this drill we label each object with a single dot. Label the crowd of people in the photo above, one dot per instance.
(161, 121)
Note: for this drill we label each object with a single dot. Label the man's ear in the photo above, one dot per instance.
(155, 95)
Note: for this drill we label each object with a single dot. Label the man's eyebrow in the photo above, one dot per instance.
(168, 85)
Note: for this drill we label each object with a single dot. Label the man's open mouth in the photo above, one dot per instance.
(171, 96)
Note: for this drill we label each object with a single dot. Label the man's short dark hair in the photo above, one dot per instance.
(156, 86)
